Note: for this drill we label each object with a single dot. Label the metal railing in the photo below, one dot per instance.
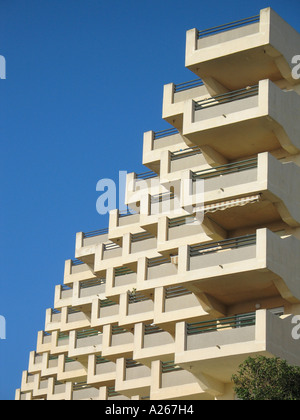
(76, 262)
(167, 367)
(176, 291)
(159, 198)
(181, 154)
(225, 98)
(90, 332)
(228, 26)
(229, 168)
(95, 233)
(137, 237)
(123, 271)
(130, 363)
(152, 329)
(153, 262)
(136, 297)
(180, 221)
(110, 246)
(62, 336)
(78, 386)
(188, 85)
(146, 175)
(115, 329)
(100, 360)
(104, 303)
(126, 213)
(165, 133)
(111, 392)
(71, 311)
(231, 243)
(91, 283)
(235, 321)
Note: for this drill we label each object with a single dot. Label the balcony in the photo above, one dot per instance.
(255, 192)
(155, 143)
(104, 311)
(70, 369)
(50, 365)
(83, 391)
(85, 291)
(174, 97)
(35, 362)
(101, 371)
(176, 303)
(245, 122)
(86, 243)
(76, 270)
(171, 382)
(85, 342)
(213, 350)
(59, 391)
(132, 378)
(63, 296)
(152, 343)
(117, 342)
(135, 307)
(218, 53)
(240, 269)
(44, 342)
(60, 342)
(119, 280)
(122, 223)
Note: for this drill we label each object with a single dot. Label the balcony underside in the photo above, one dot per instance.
(261, 213)
(234, 141)
(253, 65)
(233, 288)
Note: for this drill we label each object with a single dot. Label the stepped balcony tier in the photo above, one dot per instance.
(252, 49)
(213, 350)
(238, 269)
(245, 122)
(156, 142)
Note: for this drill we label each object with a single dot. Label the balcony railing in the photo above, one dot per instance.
(135, 297)
(91, 283)
(95, 233)
(232, 243)
(152, 329)
(236, 321)
(123, 271)
(188, 85)
(176, 291)
(146, 175)
(137, 237)
(180, 221)
(104, 303)
(170, 367)
(159, 198)
(77, 262)
(225, 98)
(228, 26)
(181, 154)
(87, 333)
(229, 168)
(130, 363)
(165, 133)
(153, 262)
(111, 246)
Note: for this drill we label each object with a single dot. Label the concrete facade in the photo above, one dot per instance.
(166, 303)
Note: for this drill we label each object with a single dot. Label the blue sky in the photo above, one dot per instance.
(84, 82)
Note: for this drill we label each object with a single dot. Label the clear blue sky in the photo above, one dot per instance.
(84, 82)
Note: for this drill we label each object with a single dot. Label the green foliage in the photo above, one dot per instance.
(263, 378)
